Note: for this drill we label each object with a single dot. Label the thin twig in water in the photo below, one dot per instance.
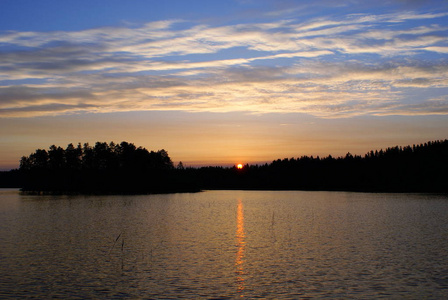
(122, 255)
(113, 246)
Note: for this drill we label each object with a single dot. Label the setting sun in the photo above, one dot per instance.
(239, 166)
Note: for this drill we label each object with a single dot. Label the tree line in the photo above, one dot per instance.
(102, 168)
(102, 156)
(417, 168)
(125, 168)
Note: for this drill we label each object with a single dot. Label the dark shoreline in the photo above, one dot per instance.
(102, 193)
(57, 193)
(126, 169)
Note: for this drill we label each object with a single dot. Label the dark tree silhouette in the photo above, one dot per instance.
(73, 156)
(420, 168)
(125, 168)
(104, 168)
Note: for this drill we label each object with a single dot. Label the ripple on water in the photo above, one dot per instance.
(224, 245)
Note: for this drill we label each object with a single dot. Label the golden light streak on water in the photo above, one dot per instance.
(241, 244)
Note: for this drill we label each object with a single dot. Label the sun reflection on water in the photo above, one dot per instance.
(240, 244)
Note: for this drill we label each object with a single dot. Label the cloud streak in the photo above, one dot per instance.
(354, 65)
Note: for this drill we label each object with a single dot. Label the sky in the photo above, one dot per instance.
(223, 82)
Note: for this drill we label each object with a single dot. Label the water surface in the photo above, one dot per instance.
(224, 244)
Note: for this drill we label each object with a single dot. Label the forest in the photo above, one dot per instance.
(417, 168)
(109, 168)
(103, 168)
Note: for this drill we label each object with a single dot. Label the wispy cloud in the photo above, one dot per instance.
(329, 67)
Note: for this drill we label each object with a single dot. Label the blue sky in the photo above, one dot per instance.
(260, 65)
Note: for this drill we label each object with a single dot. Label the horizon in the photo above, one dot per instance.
(241, 165)
(223, 83)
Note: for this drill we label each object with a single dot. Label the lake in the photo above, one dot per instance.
(224, 244)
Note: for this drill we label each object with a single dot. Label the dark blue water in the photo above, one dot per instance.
(224, 244)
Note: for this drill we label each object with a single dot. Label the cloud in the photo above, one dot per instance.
(45, 110)
(357, 64)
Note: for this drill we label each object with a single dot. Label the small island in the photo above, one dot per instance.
(106, 168)
(109, 168)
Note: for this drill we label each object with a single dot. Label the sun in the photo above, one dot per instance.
(239, 166)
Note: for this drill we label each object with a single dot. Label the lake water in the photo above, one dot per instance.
(224, 244)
